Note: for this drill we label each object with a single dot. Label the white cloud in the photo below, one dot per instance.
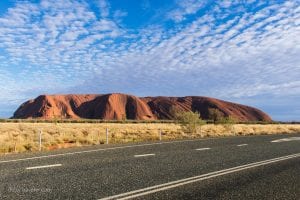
(185, 8)
(104, 8)
(52, 34)
(228, 57)
(119, 14)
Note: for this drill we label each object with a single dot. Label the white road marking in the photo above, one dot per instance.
(287, 139)
(144, 155)
(202, 149)
(96, 150)
(173, 184)
(44, 166)
(240, 145)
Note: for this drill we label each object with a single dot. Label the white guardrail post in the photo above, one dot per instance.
(40, 140)
(160, 134)
(106, 135)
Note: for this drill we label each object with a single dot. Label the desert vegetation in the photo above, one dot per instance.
(22, 136)
(190, 121)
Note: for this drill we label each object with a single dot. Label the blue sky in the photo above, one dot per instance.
(242, 51)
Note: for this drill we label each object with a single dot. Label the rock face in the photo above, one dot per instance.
(162, 108)
(122, 106)
(110, 106)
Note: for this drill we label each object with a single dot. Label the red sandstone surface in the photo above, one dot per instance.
(123, 106)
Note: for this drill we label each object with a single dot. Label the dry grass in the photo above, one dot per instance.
(20, 137)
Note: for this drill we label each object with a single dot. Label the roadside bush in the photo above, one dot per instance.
(190, 121)
(215, 115)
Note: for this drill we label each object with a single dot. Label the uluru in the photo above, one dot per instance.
(118, 106)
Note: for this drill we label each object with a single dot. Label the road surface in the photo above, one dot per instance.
(251, 167)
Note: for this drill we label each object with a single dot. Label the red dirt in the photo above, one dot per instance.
(122, 106)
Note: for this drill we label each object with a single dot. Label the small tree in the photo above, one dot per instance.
(228, 120)
(228, 123)
(215, 114)
(190, 121)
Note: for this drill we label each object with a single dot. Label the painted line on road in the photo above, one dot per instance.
(286, 139)
(173, 184)
(202, 149)
(241, 145)
(44, 166)
(96, 150)
(144, 155)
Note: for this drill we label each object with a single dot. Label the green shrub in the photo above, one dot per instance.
(190, 121)
(215, 115)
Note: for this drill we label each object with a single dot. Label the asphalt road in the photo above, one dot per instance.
(253, 167)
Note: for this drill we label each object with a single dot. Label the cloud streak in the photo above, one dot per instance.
(184, 9)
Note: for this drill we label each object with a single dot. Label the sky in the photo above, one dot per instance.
(246, 51)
